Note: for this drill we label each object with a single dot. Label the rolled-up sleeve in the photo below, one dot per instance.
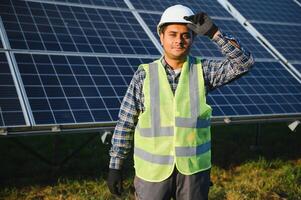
(128, 117)
(236, 63)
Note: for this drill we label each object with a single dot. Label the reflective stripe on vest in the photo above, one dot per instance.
(158, 159)
(156, 130)
(193, 151)
(193, 122)
(180, 151)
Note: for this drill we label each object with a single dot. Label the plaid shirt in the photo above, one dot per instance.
(216, 73)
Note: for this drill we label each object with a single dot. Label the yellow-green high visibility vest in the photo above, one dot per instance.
(173, 129)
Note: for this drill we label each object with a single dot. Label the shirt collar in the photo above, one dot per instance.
(166, 66)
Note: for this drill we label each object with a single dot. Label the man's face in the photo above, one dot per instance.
(176, 40)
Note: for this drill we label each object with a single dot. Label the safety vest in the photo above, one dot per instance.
(174, 130)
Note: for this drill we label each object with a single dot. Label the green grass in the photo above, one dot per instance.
(259, 179)
(273, 171)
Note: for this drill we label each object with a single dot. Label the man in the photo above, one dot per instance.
(165, 110)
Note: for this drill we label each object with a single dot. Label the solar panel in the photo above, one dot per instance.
(110, 3)
(37, 26)
(267, 10)
(206, 48)
(285, 38)
(268, 89)
(212, 7)
(10, 108)
(75, 89)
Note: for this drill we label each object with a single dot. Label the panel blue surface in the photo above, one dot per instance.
(206, 48)
(36, 26)
(10, 108)
(298, 67)
(111, 3)
(75, 89)
(212, 7)
(268, 89)
(267, 10)
(285, 38)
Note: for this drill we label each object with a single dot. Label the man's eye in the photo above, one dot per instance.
(186, 36)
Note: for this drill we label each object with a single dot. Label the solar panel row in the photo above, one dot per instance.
(73, 89)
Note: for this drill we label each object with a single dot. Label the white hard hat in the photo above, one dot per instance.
(174, 14)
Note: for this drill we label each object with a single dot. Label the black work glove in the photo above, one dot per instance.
(202, 24)
(114, 181)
